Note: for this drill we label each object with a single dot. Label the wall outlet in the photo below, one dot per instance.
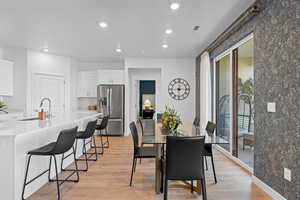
(271, 107)
(287, 174)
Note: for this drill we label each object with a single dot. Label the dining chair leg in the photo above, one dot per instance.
(162, 176)
(57, 182)
(203, 186)
(141, 158)
(132, 170)
(213, 166)
(206, 163)
(166, 189)
(192, 186)
(135, 164)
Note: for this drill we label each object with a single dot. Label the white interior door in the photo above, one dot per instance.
(137, 98)
(50, 86)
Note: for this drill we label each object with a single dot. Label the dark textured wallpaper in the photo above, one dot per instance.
(277, 79)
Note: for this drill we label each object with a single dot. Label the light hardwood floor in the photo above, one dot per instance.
(108, 179)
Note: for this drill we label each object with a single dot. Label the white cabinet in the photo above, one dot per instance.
(87, 84)
(110, 77)
(88, 81)
(6, 78)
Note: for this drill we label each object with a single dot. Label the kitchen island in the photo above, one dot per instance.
(17, 137)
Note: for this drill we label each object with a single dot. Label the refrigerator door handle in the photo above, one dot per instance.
(110, 104)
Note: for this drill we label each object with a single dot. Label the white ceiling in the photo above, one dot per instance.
(69, 27)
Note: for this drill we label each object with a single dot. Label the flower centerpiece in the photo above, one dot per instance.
(170, 121)
(2, 105)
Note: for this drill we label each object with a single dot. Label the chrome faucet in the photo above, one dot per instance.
(49, 110)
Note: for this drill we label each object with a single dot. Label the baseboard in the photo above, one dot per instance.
(270, 191)
(234, 159)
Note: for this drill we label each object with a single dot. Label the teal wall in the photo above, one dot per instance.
(146, 87)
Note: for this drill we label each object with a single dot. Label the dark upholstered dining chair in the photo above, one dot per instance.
(183, 161)
(196, 122)
(139, 151)
(210, 129)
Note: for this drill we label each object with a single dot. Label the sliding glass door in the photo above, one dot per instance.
(223, 97)
(234, 80)
(245, 101)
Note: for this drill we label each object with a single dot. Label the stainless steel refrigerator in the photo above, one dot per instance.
(111, 102)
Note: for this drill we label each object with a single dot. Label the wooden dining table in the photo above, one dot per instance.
(159, 139)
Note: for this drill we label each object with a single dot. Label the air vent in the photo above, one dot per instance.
(196, 28)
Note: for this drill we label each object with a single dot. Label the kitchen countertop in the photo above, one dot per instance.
(10, 115)
(14, 127)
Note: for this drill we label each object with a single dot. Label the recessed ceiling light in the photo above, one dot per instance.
(169, 31)
(175, 6)
(45, 49)
(103, 24)
(164, 46)
(119, 50)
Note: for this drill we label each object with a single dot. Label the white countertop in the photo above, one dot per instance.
(14, 127)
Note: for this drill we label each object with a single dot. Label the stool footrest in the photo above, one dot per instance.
(98, 147)
(66, 179)
(68, 155)
(30, 181)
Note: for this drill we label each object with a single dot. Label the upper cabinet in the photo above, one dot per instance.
(87, 84)
(6, 78)
(88, 81)
(110, 77)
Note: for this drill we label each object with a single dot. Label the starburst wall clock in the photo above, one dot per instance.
(179, 89)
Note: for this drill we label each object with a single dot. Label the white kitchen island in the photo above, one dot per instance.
(19, 137)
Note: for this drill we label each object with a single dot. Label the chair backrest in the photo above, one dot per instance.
(196, 122)
(135, 136)
(90, 128)
(104, 122)
(65, 141)
(210, 127)
(184, 158)
(141, 124)
(159, 116)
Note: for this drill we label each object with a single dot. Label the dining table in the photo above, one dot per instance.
(158, 139)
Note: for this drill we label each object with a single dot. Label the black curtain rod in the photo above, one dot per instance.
(249, 12)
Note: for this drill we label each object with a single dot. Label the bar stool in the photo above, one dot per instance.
(64, 143)
(103, 126)
(88, 133)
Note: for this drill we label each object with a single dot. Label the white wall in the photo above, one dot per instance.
(18, 56)
(170, 69)
(1, 53)
(48, 64)
(74, 85)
